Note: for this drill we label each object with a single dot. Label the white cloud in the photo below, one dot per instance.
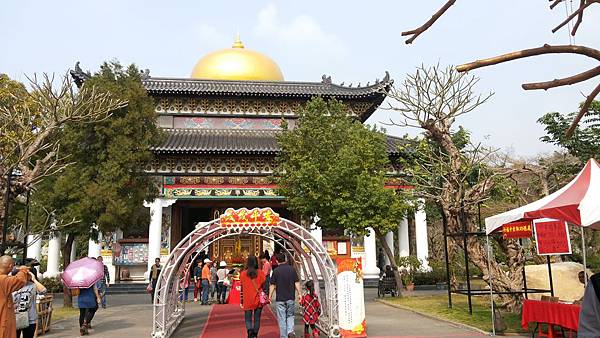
(300, 32)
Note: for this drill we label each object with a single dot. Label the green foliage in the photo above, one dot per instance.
(333, 166)
(585, 141)
(105, 186)
(53, 284)
(409, 266)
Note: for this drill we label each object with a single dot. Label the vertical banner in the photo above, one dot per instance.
(552, 237)
(351, 298)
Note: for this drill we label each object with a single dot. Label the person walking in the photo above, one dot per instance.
(213, 281)
(8, 285)
(105, 281)
(221, 287)
(197, 279)
(206, 281)
(266, 269)
(285, 283)
(184, 284)
(24, 300)
(153, 276)
(311, 309)
(87, 302)
(252, 278)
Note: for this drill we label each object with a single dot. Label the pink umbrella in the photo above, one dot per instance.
(83, 273)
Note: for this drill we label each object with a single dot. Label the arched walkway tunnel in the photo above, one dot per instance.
(310, 258)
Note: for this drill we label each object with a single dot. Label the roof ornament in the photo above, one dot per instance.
(326, 79)
(386, 78)
(350, 86)
(358, 85)
(376, 81)
(341, 84)
(237, 43)
(144, 74)
(367, 84)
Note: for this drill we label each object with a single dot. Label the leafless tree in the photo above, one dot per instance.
(30, 132)
(576, 16)
(457, 177)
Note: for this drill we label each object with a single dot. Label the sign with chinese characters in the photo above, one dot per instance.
(552, 237)
(257, 217)
(351, 301)
(517, 230)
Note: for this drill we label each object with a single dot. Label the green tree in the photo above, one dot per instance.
(105, 186)
(585, 141)
(334, 167)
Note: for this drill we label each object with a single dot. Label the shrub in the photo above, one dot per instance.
(53, 285)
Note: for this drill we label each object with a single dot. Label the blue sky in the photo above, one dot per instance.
(352, 41)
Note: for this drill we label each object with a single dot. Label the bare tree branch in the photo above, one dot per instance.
(584, 110)
(564, 81)
(417, 31)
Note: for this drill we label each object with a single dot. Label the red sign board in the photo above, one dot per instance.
(249, 218)
(552, 237)
(517, 230)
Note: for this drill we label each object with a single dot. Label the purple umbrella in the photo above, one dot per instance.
(83, 273)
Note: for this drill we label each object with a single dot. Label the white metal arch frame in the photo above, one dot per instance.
(169, 310)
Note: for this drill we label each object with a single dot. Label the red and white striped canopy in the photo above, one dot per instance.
(577, 203)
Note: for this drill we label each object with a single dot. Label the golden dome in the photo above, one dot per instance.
(237, 63)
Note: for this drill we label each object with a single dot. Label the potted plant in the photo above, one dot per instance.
(409, 265)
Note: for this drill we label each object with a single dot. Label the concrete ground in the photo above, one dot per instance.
(131, 316)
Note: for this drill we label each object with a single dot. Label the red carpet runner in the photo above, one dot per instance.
(228, 321)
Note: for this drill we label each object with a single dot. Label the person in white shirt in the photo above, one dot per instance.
(221, 283)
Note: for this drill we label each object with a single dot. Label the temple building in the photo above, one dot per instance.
(220, 151)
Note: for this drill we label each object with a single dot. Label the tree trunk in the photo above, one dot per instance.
(503, 280)
(66, 250)
(390, 255)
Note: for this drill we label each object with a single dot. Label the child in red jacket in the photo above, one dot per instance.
(311, 309)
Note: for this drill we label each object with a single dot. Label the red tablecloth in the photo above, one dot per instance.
(565, 315)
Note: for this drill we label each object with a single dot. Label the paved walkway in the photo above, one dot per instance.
(131, 316)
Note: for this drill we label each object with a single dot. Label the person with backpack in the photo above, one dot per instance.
(589, 317)
(24, 300)
(252, 295)
(311, 309)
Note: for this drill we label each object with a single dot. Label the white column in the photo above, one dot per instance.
(93, 248)
(403, 243)
(155, 229)
(73, 251)
(53, 256)
(34, 249)
(389, 239)
(317, 233)
(370, 259)
(421, 237)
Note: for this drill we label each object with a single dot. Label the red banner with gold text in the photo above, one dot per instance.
(517, 230)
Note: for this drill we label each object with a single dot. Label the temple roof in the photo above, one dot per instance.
(292, 89)
(234, 141)
(169, 86)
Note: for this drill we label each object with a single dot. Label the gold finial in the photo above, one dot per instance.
(237, 43)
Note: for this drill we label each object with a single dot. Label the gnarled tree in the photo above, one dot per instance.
(448, 169)
(31, 123)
